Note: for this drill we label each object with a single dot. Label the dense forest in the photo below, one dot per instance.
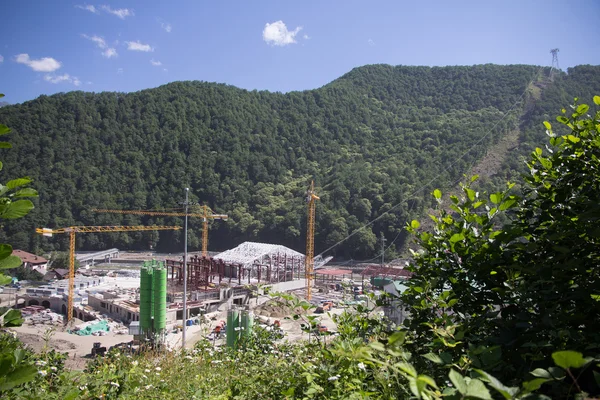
(376, 141)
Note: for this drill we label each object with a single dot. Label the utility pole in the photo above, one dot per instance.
(187, 191)
(383, 240)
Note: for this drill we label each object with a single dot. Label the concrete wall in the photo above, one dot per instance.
(287, 286)
(113, 309)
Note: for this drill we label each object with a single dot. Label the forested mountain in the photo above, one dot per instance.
(379, 138)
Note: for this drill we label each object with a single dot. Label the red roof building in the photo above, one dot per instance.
(32, 261)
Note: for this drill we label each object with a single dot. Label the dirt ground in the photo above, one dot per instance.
(78, 347)
(42, 337)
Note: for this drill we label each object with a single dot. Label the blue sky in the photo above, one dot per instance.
(58, 46)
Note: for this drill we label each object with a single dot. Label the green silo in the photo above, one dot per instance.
(159, 284)
(145, 300)
(233, 317)
(247, 324)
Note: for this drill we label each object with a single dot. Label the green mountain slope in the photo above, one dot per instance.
(371, 140)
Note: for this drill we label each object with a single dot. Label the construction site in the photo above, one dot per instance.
(169, 297)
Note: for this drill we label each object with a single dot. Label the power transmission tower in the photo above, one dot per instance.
(554, 53)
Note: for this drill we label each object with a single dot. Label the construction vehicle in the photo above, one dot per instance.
(206, 214)
(97, 350)
(309, 260)
(72, 230)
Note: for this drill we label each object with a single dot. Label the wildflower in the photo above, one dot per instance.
(146, 370)
(53, 369)
(83, 387)
(333, 378)
(188, 357)
(147, 387)
(157, 368)
(362, 366)
(115, 384)
(40, 363)
(43, 373)
(134, 363)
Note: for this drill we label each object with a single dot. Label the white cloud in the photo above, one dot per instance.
(46, 64)
(306, 37)
(62, 78)
(371, 42)
(277, 34)
(88, 8)
(110, 52)
(1, 59)
(119, 71)
(120, 12)
(101, 43)
(138, 46)
(166, 70)
(166, 26)
(155, 63)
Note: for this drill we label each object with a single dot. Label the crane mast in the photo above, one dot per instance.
(72, 230)
(309, 261)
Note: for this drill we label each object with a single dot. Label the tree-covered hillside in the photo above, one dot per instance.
(371, 140)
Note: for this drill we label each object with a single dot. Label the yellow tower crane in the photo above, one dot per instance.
(309, 261)
(206, 214)
(72, 230)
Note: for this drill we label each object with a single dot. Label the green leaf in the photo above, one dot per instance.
(407, 368)
(5, 145)
(562, 119)
(437, 194)
(458, 381)
(18, 376)
(534, 384)
(5, 280)
(597, 100)
(26, 192)
(428, 380)
(19, 354)
(573, 139)
(73, 394)
(582, 109)
(415, 224)
(496, 197)
(434, 358)
(17, 209)
(547, 125)
(507, 204)
(550, 373)
(470, 194)
(377, 346)
(569, 359)
(507, 392)
(15, 183)
(1, 95)
(397, 337)
(12, 318)
(457, 237)
(10, 262)
(4, 129)
(477, 389)
(5, 251)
